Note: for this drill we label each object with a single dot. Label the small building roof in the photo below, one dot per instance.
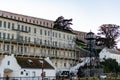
(31, 62)
(115, 51)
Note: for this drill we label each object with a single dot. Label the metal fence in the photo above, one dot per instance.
(28, 78)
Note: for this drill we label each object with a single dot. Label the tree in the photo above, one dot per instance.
(80, 72)
(110, 65)
(63, 24)
(110, 32)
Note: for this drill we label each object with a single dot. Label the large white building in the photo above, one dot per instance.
(36, 37)
(110, 53)
(17, 66)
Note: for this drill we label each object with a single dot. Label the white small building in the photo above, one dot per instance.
(18, 66)
(110, 53)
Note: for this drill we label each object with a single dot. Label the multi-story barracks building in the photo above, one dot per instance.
(23, 35)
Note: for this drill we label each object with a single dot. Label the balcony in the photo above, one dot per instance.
(15, 29)
(29, 54)
(37, 44)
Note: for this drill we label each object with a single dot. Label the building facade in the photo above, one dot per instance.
(80, 35)
(30, 36)
(110, 53)
(17, 66)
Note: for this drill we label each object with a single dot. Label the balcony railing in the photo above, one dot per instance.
(3, 52)
(29, 78)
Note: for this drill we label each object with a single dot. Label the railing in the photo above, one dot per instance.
(2, 52)
(28, 78)
(37, 43)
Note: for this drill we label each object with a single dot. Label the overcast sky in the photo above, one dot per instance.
(86, 14)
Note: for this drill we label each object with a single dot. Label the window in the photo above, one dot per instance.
(53, 34)
(59, 35)
(53, 52)
(4, 47)
(48, 52)
(56, 64)
(0, 34)
(0, 23)
(33, 21)
(26, 20)
(34, 74)
(11, 16)
(45, 42)
(71, 54)
(40, 31)
(12, 48)
(45, 51)
(7, 47)
(18, 18)
(25, 39)
(4, 24)
(43, 23)
(51, 25)
(47, 24)
(8, 63)
(34, 30)
(29, 29)
(21, 72)
(12, 36)
(56, 52)
(9, 25)
(37, 22)
(34, 40)
(48, 33)
(4, 35)
(22, 27)
(22, 19)
(18, 27)
(55, 43)
(40, 41)
(14, 17)
(64, 64)
(12, 25)
(68, 37)
(29, 39)
(56, 35)
(63, 36)
(26, 74)
(8, 36)
(25, 50)
(21, 49)
(45, 32)
(40, 22)
(25, 28)
(30, 20)
(48, 42)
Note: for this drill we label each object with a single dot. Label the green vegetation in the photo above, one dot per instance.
(110, 65)
(95, 78)
(79, 43)
(111, 32)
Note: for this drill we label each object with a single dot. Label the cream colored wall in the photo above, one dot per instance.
(30, 50)
(61, 40)
(38, 21)
(61, 62)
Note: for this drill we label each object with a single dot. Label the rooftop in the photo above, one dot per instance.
(30, 62)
